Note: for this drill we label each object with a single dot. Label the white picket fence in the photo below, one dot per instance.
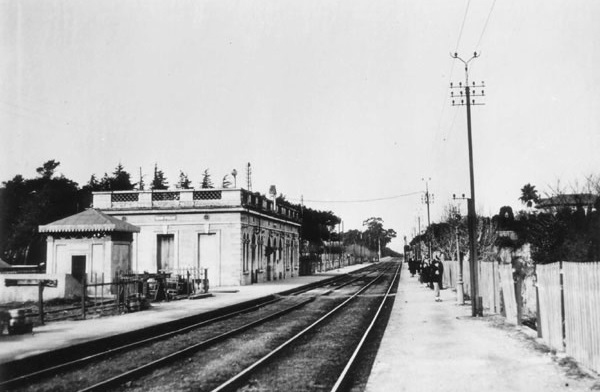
(569, 315)
(581, 285)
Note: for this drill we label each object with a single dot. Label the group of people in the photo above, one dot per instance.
(430, 273)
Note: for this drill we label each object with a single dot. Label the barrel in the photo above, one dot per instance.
(19, 323)
(4, 319)
(134, 303)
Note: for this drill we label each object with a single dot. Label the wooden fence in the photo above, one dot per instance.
(581, 285)
(507, 285)
(569, 308)
(550, 303)
(489, 286)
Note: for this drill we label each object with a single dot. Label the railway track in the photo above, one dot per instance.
(237, 322)
(316, 338)
(298, 350)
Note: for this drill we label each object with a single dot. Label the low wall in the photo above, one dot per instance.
(30, 293)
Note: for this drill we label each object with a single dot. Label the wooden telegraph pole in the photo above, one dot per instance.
(466, 100)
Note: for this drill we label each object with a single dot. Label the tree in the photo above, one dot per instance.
(184, 182)
(159, 181)
(27, 203)
(85, 193)
(48, 168)
(376, 235)
(529, 195)
(105, 183)
(121, 180)
(206, 180)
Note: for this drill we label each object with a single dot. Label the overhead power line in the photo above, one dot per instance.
(445, 95)
(462, 26)
(485, 26)
(361, 200)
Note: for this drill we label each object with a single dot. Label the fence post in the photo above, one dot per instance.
(40, 301)
(187, 284)
(538, 322)
(562, 304)
(95, 291)
(102, 291)
(83, 292)
(115, 282)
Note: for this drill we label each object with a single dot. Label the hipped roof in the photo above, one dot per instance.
(572, 200)
(90, 220)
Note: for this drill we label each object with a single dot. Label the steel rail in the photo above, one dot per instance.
(369, 270)
(52, 370)
(234, 381)
(82, 361)
(118, 380)
(343, 376)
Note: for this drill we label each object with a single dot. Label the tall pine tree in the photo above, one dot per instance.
(159, 181)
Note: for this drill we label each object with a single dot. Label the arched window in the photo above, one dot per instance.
(253, 250)
(245, 253)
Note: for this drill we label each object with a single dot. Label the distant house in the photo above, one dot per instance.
(574, 200)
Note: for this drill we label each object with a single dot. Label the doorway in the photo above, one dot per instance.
(209, 257)
(78, 267)
(165, 251)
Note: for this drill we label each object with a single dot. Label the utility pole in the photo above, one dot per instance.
(472, 219)
(427, 199)
(419, 243)
(249, 177)
(141, 183)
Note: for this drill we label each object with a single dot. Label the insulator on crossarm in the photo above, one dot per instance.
(473, 84)
(450, 84)
(473, 102)
(482, 92)
(462, 101)
(452, 102)
(482, 83)
(451, 93)
(460, 84)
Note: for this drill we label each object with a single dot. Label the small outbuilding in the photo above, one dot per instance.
(90, 242)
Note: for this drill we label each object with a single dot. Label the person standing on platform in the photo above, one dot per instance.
(424, 276)
(437, 274)
(412, 267)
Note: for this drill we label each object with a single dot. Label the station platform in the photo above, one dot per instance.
(438, 346)
(62, 334)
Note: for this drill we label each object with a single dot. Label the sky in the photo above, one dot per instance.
(342, 104)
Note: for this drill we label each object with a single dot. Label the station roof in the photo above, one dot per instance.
(90, 220)
(567, 200)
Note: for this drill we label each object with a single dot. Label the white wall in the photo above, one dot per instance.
(30, 293)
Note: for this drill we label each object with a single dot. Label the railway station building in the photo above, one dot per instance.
(238, 236)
